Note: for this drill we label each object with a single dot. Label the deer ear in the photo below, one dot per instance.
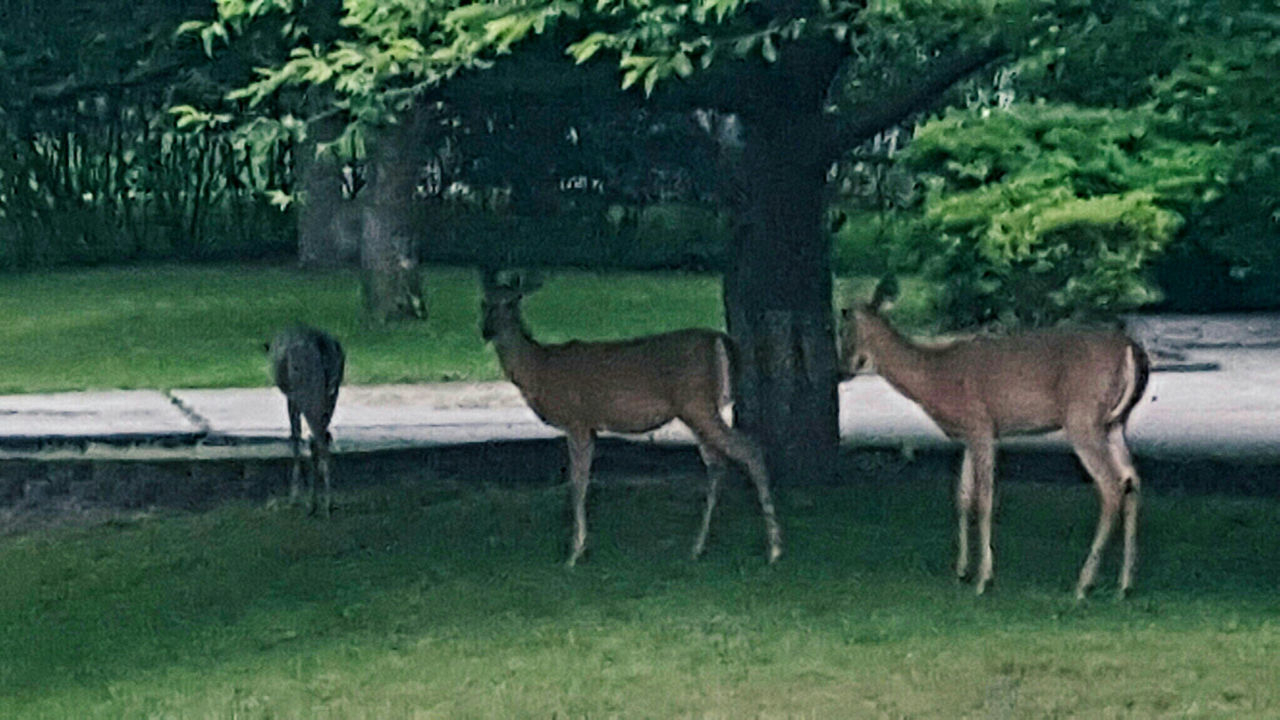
(886, 291)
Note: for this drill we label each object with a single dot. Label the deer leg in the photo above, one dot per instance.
(581, 448)
(712, 431)
(320, 456)
(716, 470)
(964, 513)
(316, 472)
(295, 446)
(1131, 488)
(982, 453)
(1091, 447)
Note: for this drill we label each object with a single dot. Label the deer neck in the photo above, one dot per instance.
(518, 354)
(902, 363)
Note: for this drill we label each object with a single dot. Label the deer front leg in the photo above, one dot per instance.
(716, 470)
(295, 446)
(1090, 447)
(581, 448)
(982, 458)
(964, 513)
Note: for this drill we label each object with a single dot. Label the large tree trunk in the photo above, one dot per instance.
(777, 294)
(329, 223)
(391, 280)
(777, 288)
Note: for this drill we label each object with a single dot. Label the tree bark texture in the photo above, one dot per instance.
(391, 281)
(777, 295)
(329, 224)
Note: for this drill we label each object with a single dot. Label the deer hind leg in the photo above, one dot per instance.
(581, 448)
(982, 452)
(321, 459)
(1090, 444)
(295, 447)
(964, 512)
(1131, 488)
(716, 470)
(713, 432)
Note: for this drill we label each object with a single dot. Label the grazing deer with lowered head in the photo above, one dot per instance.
(307, 365)
(627, 386)
(1085, 382)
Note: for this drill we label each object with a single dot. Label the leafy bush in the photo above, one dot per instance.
(1044, 212)
(127, 186)
(1229, 257)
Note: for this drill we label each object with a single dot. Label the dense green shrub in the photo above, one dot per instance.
(1229, 255)
(128, 186)
(1041, 212)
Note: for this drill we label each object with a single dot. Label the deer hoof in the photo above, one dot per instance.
(775, 552)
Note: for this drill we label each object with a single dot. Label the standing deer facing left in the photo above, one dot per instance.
(627, 386)
(307, 365)
(1085, 382)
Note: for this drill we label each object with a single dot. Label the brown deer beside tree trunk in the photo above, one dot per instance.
(1085, 382)
(626, 386)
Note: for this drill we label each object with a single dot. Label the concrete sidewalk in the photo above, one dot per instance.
(1215, 393)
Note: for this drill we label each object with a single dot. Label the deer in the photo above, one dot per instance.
(1085, 382)
(626, 386)
(307, 365)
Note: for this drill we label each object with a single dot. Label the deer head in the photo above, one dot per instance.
(500, 306)
(857, 322)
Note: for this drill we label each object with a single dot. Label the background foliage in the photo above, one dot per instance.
(1130, 164)
(1129, 161)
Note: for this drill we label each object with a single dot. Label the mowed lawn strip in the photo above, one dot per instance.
(165, 326)
(447, 597)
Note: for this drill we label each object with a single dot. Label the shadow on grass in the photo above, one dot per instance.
(456, 567)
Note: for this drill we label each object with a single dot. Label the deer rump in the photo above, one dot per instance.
(1028, 384)
(308, 369)
(630, 386)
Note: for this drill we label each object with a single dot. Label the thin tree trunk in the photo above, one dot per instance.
(391, 279)
(329, 224)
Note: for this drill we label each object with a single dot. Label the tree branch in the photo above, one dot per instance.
(860, 126)
(69, 91)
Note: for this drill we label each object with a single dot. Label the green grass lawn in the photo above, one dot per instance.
(167, 326)
(203, 326)
(446, 597)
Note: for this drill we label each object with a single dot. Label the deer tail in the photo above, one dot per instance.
(726, 363)
(1137, 371)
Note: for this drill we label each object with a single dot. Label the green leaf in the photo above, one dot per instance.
(651, 79)
(190, 26)
(682, 65)
(587, 47)
(768, 50)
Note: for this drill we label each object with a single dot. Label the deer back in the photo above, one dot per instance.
(1034, 382)
(629, 385)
